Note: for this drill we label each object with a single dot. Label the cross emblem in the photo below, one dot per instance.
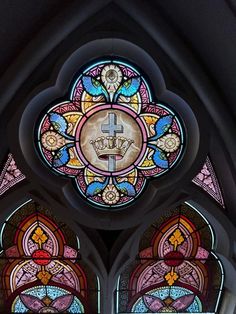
(112, 128)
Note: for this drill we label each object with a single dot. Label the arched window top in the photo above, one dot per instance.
(42, 269)
(108, 134)
(175, 270)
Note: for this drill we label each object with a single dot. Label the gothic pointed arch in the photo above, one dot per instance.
(188, 69)
(176, 269)
(42, 269)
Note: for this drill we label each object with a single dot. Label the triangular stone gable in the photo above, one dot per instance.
(10, 175)
(207, 180)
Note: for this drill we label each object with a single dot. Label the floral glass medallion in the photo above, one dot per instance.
(110, 137)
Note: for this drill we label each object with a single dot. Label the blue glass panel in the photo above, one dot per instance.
(165, 292)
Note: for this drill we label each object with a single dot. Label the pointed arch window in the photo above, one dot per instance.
(41, 267)
(176, 269)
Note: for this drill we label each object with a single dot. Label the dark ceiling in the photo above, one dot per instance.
(207, 27)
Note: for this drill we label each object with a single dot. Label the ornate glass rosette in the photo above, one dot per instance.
(110, 137)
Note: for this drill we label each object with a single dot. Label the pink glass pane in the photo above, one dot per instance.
(10, 175)
(207, 180)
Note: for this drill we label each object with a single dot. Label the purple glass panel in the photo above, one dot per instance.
(10, 175)
(207, 180)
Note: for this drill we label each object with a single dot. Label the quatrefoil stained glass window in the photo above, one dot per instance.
(110, 137)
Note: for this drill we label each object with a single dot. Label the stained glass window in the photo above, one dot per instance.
(176, 270)
(109, 135)
(41, 267)
(10, 174)
(207, 180)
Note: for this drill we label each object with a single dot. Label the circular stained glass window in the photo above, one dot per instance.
(110, 137)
